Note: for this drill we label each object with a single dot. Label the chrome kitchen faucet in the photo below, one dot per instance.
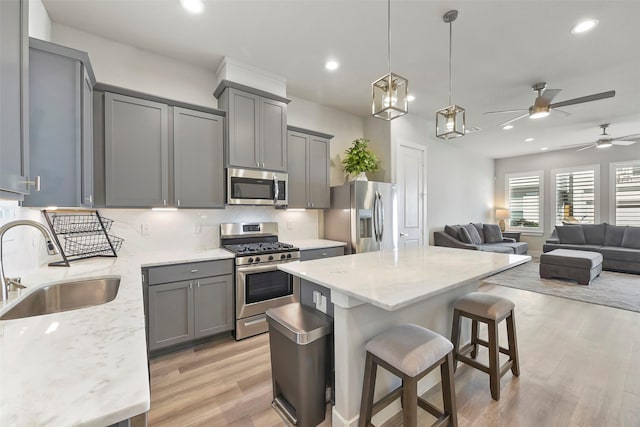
(51, 249)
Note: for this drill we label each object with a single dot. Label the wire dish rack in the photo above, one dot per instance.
(81, 234)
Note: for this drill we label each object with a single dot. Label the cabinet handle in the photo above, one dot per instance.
(35, 183)
(257, 164)
(324, 254)
(164, 202)
(194, 271)
(198, 283)
(178, 202)
(90, 198)
(190, 285)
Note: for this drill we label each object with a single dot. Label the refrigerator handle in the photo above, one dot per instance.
(381, 216)
(375, 217)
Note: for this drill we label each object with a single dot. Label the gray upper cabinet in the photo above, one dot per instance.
(213, 305)
(61, 131)
(14, 96)
(136, 152)
(308, 153)
(256, 127)
(198, 159)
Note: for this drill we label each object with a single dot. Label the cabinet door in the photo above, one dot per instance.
(297, 149)
(273, 134)
(198, 159)
(14, 96)
(318, 176)
(136, 152)
(87, 141)
(243, 121)
(213, 305)
(55, 115)
(170, 314)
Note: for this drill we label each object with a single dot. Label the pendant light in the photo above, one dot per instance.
(450, 121)
(390, 91)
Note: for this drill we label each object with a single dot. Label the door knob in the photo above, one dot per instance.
(404, 234)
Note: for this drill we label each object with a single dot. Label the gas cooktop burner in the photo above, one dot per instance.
(260, 248)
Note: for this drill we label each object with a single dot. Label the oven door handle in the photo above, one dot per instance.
(256, 268)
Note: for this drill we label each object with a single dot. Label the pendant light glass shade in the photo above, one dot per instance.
(389, 92)
(450, 121)
(390, 97)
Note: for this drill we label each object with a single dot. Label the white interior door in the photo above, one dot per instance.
(411, 160)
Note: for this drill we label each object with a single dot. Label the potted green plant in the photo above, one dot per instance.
(360, 159)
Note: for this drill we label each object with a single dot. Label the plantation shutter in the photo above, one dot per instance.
(525, 201)
(575, 197)
(627, 194)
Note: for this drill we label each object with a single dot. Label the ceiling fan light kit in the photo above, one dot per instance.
(389, 93)
(450, 121)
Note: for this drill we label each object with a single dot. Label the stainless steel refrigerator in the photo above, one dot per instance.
(363, 214)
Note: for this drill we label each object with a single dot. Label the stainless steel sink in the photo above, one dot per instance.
(64, 297)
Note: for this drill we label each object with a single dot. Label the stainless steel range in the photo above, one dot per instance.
(259, 283)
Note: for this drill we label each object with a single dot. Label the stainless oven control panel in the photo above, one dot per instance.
(268, 258)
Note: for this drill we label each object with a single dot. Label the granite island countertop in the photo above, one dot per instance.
(87, 366)
(392, 279)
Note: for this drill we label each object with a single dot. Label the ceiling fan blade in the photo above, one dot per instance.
(618, 142)
(587, 147)
(548, 95)
(514, 119)
(506, 111)
(564, 113)
(627, 138)
(588, 98)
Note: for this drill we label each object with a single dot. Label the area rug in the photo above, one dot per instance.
(619, 290)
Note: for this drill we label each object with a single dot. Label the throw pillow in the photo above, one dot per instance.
(478, 226)
(593, 233)
(613, 235)
(452, 230)
(469, 234)
(570, 234)
(631, 238)
(492, 233)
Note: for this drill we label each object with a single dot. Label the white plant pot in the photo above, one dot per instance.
(362, 176)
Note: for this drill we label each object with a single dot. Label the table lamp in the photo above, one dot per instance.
(502, 214)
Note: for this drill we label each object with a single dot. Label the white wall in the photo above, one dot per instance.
(378, 132)
(562, 159)
(39, 22)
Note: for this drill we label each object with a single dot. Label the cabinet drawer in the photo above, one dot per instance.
(310, 254)
(188, 271)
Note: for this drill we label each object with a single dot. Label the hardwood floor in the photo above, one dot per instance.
(579, 363)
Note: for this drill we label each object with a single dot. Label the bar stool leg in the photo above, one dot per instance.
(366, 403)
(449, 391)
(474, 338)
(494, 361)
(410, 401)
(513, 344)
(455, 337)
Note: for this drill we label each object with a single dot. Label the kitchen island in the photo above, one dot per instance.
(374, 291)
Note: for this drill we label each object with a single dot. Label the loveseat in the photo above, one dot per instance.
(480, 237)
(619, 245)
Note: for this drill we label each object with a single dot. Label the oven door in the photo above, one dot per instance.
(261, 287)
(252, 187)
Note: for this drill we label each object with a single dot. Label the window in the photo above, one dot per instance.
(576, 194)
(524, 201)
(625, 194)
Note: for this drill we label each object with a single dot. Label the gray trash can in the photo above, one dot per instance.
(299, 338)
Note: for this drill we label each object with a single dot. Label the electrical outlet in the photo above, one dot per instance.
(144, 229)
(321, 305)
(197, 228)
(289, 225)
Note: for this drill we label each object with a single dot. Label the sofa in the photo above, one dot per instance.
(478, 237)
(619, 245)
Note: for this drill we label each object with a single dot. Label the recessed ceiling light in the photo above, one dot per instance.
(507, 127)
(544, 148)
(528, 140)
(331, 65)
(411, 98)
(584, 26)
(193, 6)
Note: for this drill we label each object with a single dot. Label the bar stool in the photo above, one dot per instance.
(409, 352)
(489, 309)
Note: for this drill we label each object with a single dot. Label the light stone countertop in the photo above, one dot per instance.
(82, 367)
(315, 244)
(393, 279)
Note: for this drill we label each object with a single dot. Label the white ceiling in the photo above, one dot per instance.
(500, 49)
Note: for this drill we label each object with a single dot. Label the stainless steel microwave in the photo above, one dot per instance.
(253, 187)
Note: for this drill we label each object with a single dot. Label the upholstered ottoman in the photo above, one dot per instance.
(581, 266)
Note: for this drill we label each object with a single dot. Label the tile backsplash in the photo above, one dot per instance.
(147, 230)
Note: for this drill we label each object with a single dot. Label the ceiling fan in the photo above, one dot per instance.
(542, 106)
(606, 140)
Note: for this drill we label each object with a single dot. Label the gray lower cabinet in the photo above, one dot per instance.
(14, 96)
(136, 152)
(307, 288)
(256, 127)
(310, 254)
(61, 132)
(198, 141)
(309, 157)
(187, 302)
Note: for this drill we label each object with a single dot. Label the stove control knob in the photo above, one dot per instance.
(288, 255)
(270, 258)
(258, 259)
(283, 256)
(250, 260)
